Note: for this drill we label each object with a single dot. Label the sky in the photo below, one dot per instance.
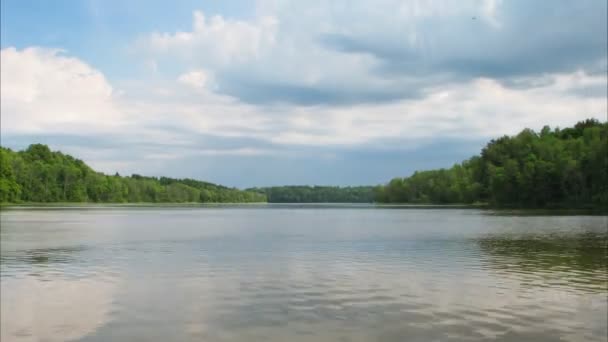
(274, 92)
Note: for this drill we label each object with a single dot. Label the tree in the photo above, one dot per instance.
(39, 175)
(563, 167)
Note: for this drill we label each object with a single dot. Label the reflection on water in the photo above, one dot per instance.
(41, 256)
(302, 274)
(53, 310)
(575, 262)
(46, 297)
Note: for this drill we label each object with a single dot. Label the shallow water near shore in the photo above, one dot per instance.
(302, 273)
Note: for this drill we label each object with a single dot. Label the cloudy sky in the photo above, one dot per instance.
(294, 92)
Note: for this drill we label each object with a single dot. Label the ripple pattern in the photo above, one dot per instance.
(284, 274)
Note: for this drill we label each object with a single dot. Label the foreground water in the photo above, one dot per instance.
(282, 273)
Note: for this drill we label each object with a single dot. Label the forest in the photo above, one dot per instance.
(565, 167)
(318, 194)
(552, 168)
(39, 175)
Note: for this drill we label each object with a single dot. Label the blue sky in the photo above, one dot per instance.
(290, 92)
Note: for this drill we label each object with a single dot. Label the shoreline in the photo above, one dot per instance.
(313, 205)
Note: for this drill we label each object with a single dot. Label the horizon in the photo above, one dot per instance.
(287, 184)
(273, 93)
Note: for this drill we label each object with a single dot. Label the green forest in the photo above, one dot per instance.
(39, 175)
(318, 194)
(565, 167)
(551, 168)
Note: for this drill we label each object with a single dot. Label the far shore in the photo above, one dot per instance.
(318, 205)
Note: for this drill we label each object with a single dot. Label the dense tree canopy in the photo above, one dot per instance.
(318, 194)
(39, 175)
(560, 167)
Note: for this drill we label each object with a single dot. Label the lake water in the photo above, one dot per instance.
(301, 273)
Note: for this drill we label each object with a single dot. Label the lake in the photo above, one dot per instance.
(301, 273)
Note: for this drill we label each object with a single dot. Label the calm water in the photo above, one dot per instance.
(301, 274)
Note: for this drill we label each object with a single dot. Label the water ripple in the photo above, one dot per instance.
(302, 274)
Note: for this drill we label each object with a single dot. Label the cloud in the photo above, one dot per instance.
(44, 90)
(215, 40)
(347, 53)
(195, 78)
(511, 38)
(151, 125)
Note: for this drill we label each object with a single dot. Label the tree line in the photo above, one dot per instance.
(39, 175)
(560, 167)
(553, 167)
(318, 194)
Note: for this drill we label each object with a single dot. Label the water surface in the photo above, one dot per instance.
(298, 273)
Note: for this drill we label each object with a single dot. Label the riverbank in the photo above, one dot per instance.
(495, 210)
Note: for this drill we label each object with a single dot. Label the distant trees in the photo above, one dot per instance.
(318, 194)
(39, 175)
(560, 167)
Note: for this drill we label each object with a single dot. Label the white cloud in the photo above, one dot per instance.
(479, 108)
(195, 78)
(489, 12)
(46, 92)
(215, 40)
(351, 52)
(43, 90)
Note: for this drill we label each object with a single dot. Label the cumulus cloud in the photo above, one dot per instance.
(47, 91)
(215, 40)
(345, 52)
(318, 78)
(44, 90)
(478, 108)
